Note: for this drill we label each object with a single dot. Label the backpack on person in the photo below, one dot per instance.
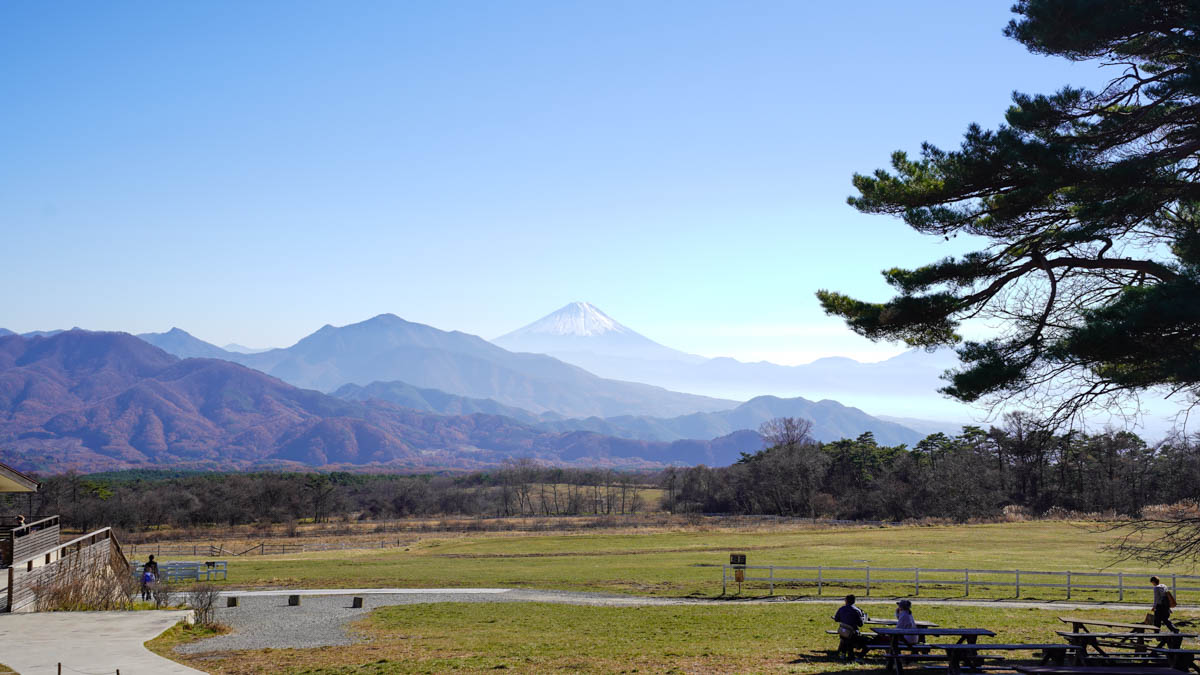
(147, 577)
(1171, 600)
(846, 631)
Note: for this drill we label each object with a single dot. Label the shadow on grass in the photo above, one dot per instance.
(827, 661)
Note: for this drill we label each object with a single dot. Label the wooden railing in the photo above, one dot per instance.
(34, 538)
(23, 575)
(28, 528)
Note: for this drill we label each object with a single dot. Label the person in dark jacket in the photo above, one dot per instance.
(149, 577)
(1162, 605)
(850, 622)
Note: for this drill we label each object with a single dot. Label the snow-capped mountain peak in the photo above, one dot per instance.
(580, 329)
(578, 318)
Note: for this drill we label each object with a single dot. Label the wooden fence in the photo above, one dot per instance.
(942, 579)
(214, 550)
(177, 572)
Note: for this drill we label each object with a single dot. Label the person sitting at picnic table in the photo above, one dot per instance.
(850, 621)
(1162, 605)
(904, 619)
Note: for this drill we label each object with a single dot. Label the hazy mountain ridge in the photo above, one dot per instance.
(904, 385)
(388, 348)
(433, 400)
(184, 345)
(90, 401)
(831, 420)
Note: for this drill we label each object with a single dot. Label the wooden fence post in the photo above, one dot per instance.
(1120, 585)
(966, 582)
(818, 579)
(916, 581)
(1018, 575)
(724, 577)
(868, 581)
(1173, 591)
(1068, 584)
(772, 580)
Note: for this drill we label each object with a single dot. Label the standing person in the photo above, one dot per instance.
(1162, 605)
(151, 566)
(904, 619)
(149, 577)
(850, 621)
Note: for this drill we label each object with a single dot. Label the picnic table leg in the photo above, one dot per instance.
(953, 668)
(973, 659)
(897, 666)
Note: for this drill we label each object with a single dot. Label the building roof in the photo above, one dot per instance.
(12, 480)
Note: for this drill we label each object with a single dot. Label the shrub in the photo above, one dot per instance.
(202, 598)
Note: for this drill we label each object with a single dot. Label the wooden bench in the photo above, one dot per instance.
(969, 654)
(1179, 659)
(1095, 670)
(896, 657)
(1080, 625)
(1134, 641)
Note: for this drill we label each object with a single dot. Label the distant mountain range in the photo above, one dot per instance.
(388, 348)
(182, 344)
(583, 335)
(90, 401)
(242, 349)
(457, 377)
(831, 420)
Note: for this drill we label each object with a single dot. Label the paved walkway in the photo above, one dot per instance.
(87, 642)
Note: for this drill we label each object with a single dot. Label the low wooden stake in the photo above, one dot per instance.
(293, 601)
(231, 601)
(357, 603)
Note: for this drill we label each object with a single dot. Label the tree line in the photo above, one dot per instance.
(975, 474)
(139, 499)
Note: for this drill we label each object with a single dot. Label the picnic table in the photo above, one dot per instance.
(1133, 641)
(1080, 625)
(892, 622)
(968, 653)
(887, 622)
(1178, 658)
(896, 657)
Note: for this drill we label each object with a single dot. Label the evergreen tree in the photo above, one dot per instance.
(1089, 204)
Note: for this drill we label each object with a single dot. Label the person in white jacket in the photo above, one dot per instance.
(904, 619)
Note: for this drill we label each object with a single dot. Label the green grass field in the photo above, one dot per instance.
(461, 637)
(680, 563)
(735, 637)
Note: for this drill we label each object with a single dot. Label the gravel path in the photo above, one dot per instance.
(264, 618)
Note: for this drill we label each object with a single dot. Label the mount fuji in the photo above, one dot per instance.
(581, 334)
(580, 329)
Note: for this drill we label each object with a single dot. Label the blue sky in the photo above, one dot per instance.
(252, 171)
